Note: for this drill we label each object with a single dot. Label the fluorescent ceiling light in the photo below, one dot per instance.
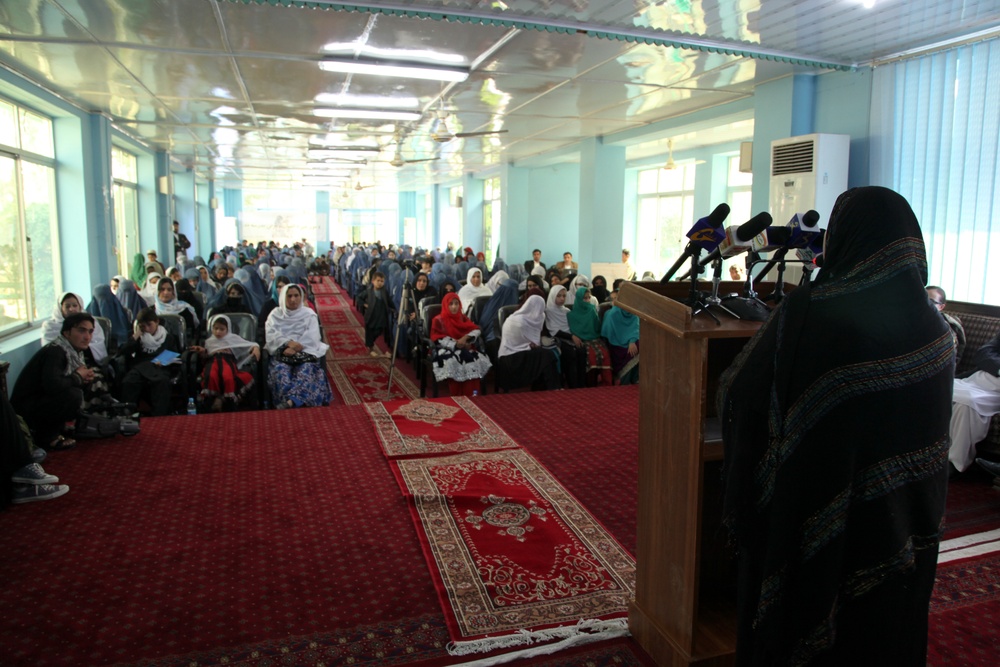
(369, 101)
(398, 70)
(367, 114)
(337, 151)
(353, 49)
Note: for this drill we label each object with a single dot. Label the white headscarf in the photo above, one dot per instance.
(496, 279)
(239, 346)
(151, 342)
(148, 291)
(174, 307)
(300, 325)
(579, 281)
(469, 292)
(52, 328)
(555, 316)
(524, 327)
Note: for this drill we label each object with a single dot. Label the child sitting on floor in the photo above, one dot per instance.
(223, 384)
(375, 305)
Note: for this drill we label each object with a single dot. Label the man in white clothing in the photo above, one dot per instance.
(975, 400)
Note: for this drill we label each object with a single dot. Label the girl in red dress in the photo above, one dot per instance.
(223, 384)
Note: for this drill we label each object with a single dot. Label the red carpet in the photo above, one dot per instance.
(965, 610)
(435, 426)
(511, 549)
(973, 505)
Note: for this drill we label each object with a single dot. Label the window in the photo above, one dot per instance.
(451, 218)
(29, 239)
(665, 212)
(125, 192)
(936, 132)
(491, 218)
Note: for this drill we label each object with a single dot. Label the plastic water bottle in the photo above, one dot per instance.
(475, 392)
(191, 409)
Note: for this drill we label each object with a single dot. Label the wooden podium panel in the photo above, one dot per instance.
(684, 608)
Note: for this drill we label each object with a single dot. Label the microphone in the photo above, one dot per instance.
(705, 234)
(748, 237)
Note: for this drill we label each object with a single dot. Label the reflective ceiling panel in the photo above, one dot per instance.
(235, 90)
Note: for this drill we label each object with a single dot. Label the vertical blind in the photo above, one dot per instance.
(936, 141)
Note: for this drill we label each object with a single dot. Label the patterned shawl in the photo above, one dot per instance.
(835, 425)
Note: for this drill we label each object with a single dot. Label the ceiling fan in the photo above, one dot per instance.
(670, 157)
(442, 135)
(398, 160)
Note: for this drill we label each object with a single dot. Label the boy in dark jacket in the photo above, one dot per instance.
(376, 306)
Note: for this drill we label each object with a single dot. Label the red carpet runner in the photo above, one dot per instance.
(434, 427)
(357, 377)
(513, 551)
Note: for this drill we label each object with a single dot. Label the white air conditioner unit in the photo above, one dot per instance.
(808, 172)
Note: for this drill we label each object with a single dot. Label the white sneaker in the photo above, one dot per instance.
(33, 474)
(30, 493)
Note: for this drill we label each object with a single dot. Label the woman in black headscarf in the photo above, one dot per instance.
(835, 424)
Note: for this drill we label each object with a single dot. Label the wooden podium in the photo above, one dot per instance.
(684, 611)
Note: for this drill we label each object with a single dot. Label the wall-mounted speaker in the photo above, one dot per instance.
(746, 157)
(166, 185)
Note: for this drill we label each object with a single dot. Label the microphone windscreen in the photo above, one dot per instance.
(753, 226)
(810, 218)
(718, 216)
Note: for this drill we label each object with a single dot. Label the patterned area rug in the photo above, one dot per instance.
(365, 380)
(435, 427)
(514, 555)
(965, 609)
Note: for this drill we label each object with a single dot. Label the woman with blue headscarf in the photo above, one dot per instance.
(621, 329)
(129, 297)
(255, 297)
(104, 304)
(505, 295)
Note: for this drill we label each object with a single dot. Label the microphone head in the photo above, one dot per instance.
(810, 218)
(719, 215)
(753, 226)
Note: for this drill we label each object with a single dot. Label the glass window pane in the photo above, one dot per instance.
(40, 223)
(736, 177)
(689, 171)
(36, 134)
(647, 181)
(672, 180)
(123, 166)
(13, 304)
(8, 124)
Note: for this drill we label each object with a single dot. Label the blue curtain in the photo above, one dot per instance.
(936, 140)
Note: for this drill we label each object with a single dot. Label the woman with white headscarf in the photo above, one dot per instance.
(578, 281)
(148, 291)
(473, 289)
(67, 304)
(522, 360)
(295, 374)
(167, 303)
(572, 356)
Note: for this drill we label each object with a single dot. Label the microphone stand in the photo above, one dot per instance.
(713, 299)
(748, 307)
(678, 264)
(696, 298)
(400, 319)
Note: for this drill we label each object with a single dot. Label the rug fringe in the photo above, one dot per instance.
(585, 631)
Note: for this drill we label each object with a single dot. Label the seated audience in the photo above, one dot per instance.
(68, 304)
(505, 295)
(224, 382)
(599, 290)
(22, 478)
(568, 266)
(145, 375)
(186, 294)
(939, 301)
(148, 291)
(621, 329)
(573, 357)
(115, 283)
(456, 357)
(153, 263)
(574, 286)
(473, 289)
(105, 304)
(167, 303)
(296, 374)
(521, 359)
(585, 324)
(554, 277)
(231, 299)
(269, 305)
(975, 400)
(128, 296)
(626, 260)
(535, 261)
(54, 385)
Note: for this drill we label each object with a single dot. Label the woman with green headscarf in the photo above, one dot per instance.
(138, 271)
(585, 324)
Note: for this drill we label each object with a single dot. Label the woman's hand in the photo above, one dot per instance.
(198, 348)
(633, 349)
(463, 341)
(577, 341)
(294, 346)
(256, 353)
